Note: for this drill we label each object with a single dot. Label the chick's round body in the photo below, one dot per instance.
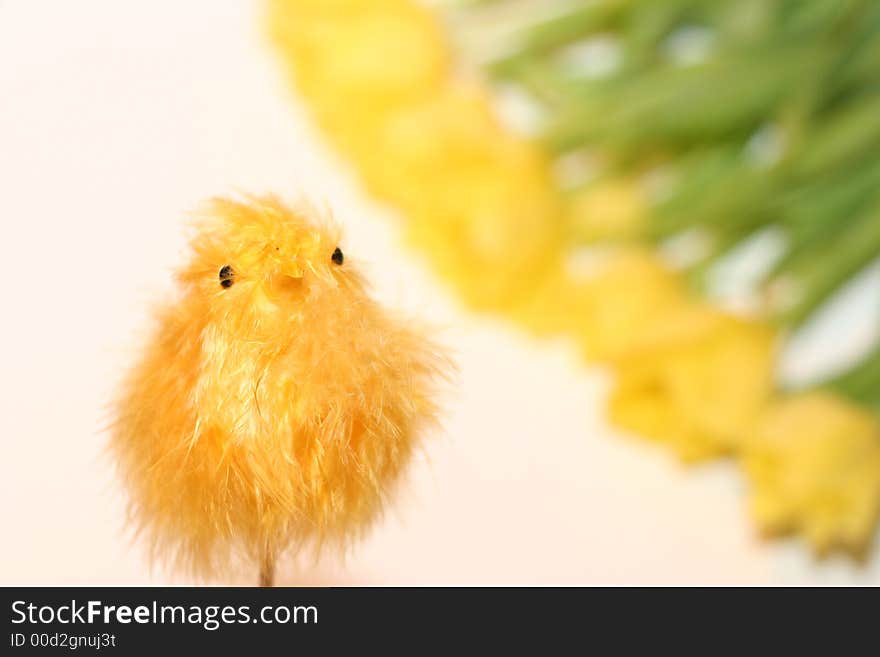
(277, 404)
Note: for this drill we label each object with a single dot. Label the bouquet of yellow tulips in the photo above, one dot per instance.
(587, 167)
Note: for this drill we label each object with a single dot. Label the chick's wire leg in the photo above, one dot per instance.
(267, 570)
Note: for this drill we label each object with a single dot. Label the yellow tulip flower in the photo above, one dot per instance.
(630, 291)
(604, 299)
(610, 209)
(358, 61)
(813, 464)
(696, 380)
(418, 148)
(477, 201)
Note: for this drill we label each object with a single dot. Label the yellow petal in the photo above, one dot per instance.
(612, 209)
(711, 371)
(819, 456)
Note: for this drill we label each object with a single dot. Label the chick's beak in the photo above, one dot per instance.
(288, 277)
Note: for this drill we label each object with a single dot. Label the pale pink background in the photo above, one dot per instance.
(118, 117)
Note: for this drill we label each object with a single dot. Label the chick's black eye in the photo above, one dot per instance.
(337, 256)
(227, 276)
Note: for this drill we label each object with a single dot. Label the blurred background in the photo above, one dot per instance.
(118, 118)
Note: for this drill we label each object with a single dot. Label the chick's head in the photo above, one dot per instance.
(257, 265)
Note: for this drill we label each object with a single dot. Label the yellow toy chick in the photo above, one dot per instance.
(276, 404)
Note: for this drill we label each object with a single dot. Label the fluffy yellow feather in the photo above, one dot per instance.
(276, 404)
